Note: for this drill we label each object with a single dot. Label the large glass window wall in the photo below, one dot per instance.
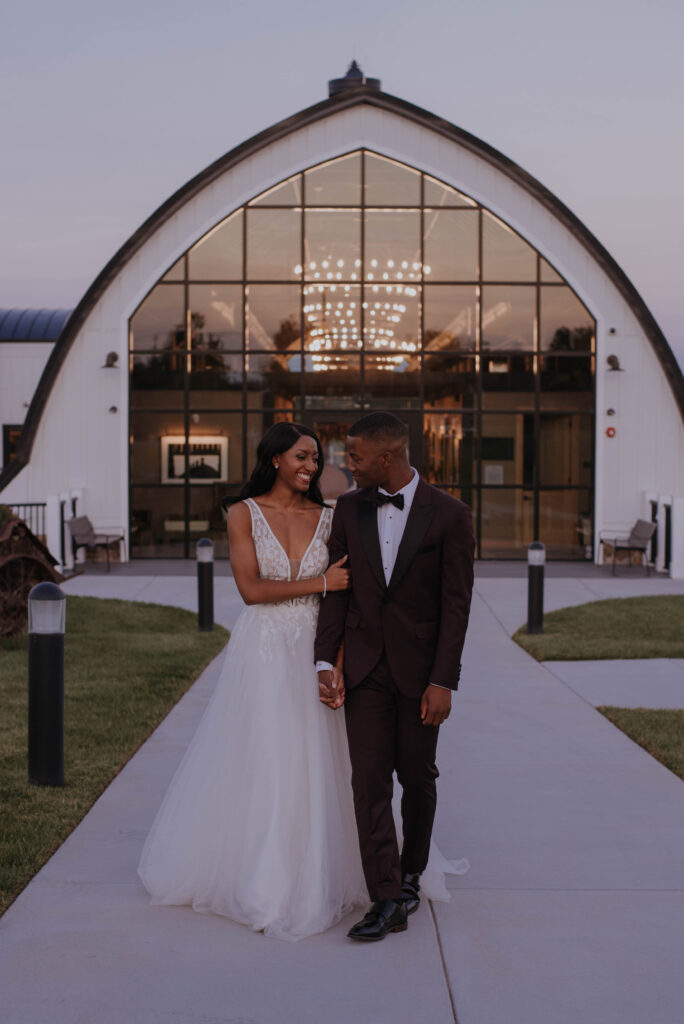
(362, 284)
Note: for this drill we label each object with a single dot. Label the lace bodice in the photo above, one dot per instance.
(272, 558)
(283, 623)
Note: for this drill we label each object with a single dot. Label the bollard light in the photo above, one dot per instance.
(205, 550)
(536, 553)
(536, 558)
(47, 609)
(205, 585)
(47, 619)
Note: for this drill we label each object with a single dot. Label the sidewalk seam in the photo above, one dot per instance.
(492, 612)
(444, 966)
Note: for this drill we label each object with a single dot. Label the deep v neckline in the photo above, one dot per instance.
(287, 557)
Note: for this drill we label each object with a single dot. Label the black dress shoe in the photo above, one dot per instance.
(383, 917)
(410, 892)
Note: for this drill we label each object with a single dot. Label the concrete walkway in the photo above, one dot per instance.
(572, 911)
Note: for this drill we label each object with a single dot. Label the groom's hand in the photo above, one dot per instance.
(331, 687)
(435, 705)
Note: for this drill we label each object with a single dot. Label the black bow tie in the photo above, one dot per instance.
(383, 499)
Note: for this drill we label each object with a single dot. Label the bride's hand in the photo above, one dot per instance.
(331, 688)
(336, 577)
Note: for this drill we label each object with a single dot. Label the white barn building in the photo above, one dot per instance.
(362, 254)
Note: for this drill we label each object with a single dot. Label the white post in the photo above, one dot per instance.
(646, 513)
(68, 547)
(53, 527)
(677, 540)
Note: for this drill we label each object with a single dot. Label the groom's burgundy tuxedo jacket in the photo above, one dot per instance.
(420, 619)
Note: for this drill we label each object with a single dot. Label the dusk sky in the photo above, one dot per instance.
(109, 108)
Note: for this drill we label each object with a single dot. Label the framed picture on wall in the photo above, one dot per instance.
(208, 459)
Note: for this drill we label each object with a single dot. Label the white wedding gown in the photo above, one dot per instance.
(258, 822)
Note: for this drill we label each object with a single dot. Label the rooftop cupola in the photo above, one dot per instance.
(354, 79)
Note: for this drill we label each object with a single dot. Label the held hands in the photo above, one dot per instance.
(336, 577)
(331, 688)
(435, 705)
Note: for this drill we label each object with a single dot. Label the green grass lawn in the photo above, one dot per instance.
(660, 731)
(126, 665)
(628, 627)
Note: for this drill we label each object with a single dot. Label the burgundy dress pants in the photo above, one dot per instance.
(386, 735)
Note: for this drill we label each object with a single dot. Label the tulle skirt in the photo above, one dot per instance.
(258, 821)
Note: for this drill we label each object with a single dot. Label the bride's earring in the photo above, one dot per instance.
(276, 465)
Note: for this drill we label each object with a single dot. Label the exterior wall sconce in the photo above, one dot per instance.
(110, 362)
(113, 408)
(613, 363)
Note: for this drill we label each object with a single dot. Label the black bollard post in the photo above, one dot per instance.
(47, 614)
(536, 557)
(205, 585)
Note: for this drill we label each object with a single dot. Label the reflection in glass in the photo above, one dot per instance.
(451, 245)
(157, 522)
(507, 519)
(273, 380)
(273, 244)
(508, 316)
(436, 193)
(566, 326)
(206, 515)
(176, 272)
(392, 381)
(287, 193)
(390, 184)
(507, 449)
(273, 316)
(159, 322)
(161, 373)
(449, 381)
(449, 448)
(565, 523)
(147, 430)
(332, 245)
(336, 183)
(215, 316)
(393, 246)
(392, 319)
(213, 371)
(505, 256)
(573, 374)
(332, 381)
(547, 273)
(218, 256)
(332, 314)
(449, 317)
(566, 444)
(508, 373)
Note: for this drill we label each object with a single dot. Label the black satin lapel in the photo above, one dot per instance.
(417, 525)
(368, 529)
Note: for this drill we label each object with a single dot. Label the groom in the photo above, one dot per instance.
(401, 628)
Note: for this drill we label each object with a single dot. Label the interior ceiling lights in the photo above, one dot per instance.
(333, 311)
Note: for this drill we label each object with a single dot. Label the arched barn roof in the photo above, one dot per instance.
(32, 324)
(364, 94)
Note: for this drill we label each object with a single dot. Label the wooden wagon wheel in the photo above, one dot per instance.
(18, 574)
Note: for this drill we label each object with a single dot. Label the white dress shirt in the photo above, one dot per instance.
(391, 525)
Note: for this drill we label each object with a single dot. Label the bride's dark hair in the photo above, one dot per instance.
(278, 439)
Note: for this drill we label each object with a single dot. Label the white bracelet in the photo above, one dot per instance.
(325, 584)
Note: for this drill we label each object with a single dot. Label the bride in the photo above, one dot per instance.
(258, 822)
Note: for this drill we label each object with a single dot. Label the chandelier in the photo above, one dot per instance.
(334, 311)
